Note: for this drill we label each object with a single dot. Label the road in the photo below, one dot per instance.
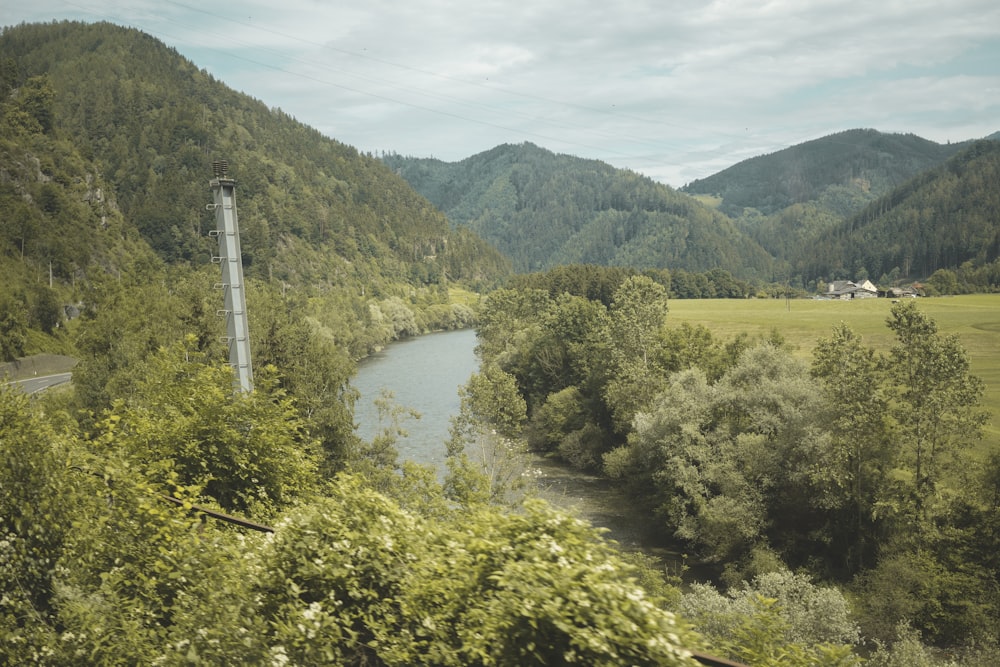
(41, 383)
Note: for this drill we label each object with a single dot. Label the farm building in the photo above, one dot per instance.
(847, 289)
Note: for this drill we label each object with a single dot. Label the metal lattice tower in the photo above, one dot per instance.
(235, 311)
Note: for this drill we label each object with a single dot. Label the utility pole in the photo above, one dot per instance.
(230, 259)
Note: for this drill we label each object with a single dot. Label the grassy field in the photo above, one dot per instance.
(974, 318)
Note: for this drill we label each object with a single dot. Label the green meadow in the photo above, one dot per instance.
(974, 318)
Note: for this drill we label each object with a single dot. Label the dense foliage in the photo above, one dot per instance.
(543, 210)
(107, 557)
(98, 568)
(858, 470)
(599, 283)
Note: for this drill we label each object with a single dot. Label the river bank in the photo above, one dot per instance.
(600, 502)
(590, 497)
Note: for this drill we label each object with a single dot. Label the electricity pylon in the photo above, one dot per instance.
(227, 230)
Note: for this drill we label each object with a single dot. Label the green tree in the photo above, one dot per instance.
(689, 345)
(38, 494)
(562, 413)
(312, 368)
(779, 618)
(45, 310)
(726, 465)
(13, 328)
(945, 281)
(128, 319)
(505, 322)
(356, 580)
(486, 457)
(334, 579)
(571, 355)
(250, 453)
(95, 566)
(636, 318)
(29, 109)
(935, 401)
(570, 347)
(904, 650)
(690, 474)
(638, 312)
(854, 474)
(377, 461)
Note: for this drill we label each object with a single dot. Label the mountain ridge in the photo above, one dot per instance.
(316, 211)
(107, 139)
(543, 209)
(152, 123)
(793, 218)
(866, 160)
(945, 218)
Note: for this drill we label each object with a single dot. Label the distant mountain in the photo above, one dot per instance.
(846, 170)
(806, 205)
(941, 219)
(101, 117)
(542, 210)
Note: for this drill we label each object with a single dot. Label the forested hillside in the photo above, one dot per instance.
(846, 170)
(863, 204)
(152, 122)
(108, 142)
(798, 214)
(542, 210)
(947, 218)
(59, 216)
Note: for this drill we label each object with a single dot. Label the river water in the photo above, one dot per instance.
(424, 374)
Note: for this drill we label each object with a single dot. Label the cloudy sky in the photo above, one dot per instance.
(673, 89)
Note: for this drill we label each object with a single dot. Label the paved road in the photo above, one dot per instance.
(41, 383)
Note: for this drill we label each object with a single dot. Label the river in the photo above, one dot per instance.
(424, 374)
